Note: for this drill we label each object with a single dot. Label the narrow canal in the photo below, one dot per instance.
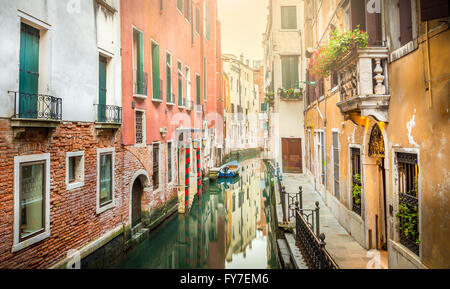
(230, 226)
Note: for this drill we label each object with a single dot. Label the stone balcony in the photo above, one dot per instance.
(363, 83)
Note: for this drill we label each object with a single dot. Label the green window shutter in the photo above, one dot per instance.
(207, 22)
(155, 71)
(29, 71)
(205, 79)
(168, 79)
(289, 66)
(289, 17)
(294, 71)
(285, 72)
(140, 62)
(198, 87)
(180, 84)
(102, 89)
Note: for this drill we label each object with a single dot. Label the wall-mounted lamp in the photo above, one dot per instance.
(133, 105)
(163, 131)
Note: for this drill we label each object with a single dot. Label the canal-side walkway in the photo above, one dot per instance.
(347, 253)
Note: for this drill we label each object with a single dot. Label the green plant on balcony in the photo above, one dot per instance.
(338, 45)
(270, 97)
(356, 190)
(290, 93)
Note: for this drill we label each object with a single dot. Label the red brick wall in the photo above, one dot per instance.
(73, 219)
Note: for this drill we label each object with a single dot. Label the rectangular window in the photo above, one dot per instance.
(106, 179)
(288, 17)
(180, 83)
(356, 180)
(180, 5)
(169, 78)
(139, 78)
(205, 79)
(197, 19)
(32, 199)
(408, 212)
(188, 87)
(169, 162)
(187, 9)
(406, 33)
(321, 152)
(139, 127)
(74, 170)
(155, 72)
(155, 176)
(290, 75)
(336, 164)
(207, 21)
(198, 87)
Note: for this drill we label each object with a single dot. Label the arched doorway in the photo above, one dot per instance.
(136, 205)
(376, 152)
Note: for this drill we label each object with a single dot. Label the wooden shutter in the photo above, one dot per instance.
(293, 71)
(285, 72)
(155, 71)
(29, 71)
(358, 12)
(140, 63)
(289, 17)
(405, 21)
(198, 86)
(434, 9)
(168, 79)
(102, 89)
(373, 26)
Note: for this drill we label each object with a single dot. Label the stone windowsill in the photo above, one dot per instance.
(140, 96)
(28, 122)
(107, 125)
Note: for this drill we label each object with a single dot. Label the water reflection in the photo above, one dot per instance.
(229, 227)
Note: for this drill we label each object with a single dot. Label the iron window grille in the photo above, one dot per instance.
(408, 201)
(356, 171)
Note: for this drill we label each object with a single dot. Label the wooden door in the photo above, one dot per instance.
(136, 210)
(292, 155)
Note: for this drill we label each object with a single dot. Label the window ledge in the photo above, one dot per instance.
(171, 104)
(31, 241)
(289, 30)
(157, 100)
(74, 185)
(26, 122)
(107, 125)
(140, 96)
(106, 207)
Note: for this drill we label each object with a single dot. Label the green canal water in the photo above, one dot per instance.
(230, 226)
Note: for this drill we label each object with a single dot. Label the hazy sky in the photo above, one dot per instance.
(243, 23)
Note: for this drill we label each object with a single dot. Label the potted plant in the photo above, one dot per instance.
(339, 44)
(356, 190)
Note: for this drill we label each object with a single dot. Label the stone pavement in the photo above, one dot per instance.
(346, 252)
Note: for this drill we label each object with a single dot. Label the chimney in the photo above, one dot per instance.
(248, 62)
(242, 57)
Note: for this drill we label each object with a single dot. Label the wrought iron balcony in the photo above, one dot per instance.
(140, 84)
(362, 83)
(29, 106)
(109, 114)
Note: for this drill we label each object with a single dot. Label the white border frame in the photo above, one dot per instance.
(76, 184)
(144, 128)
(395, 196)
(113, 179)
(17, 245)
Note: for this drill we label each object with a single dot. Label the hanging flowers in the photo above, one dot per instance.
(328, 54)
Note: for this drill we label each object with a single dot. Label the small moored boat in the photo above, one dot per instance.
(229, 170)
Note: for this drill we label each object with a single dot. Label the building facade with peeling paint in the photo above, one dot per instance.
(381, 122)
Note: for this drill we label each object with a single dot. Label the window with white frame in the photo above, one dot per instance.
(336, 164)
(105, 179)
(74, 170)
(31, 199)
(188, 87)
(140, 127)
(321, 155)
(169, 162)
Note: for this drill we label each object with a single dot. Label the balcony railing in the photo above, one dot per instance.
(37, 106)
(189, 105)
(140, 83)
(362, 82)
(109, 114)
